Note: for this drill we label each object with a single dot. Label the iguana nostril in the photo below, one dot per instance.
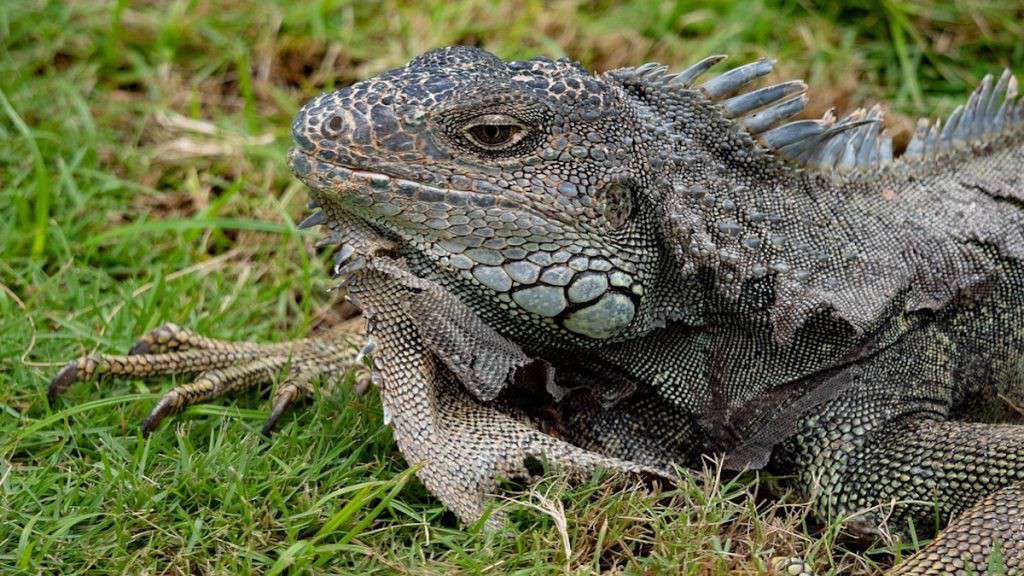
(335, 124)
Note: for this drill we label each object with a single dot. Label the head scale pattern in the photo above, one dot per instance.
(516, 182)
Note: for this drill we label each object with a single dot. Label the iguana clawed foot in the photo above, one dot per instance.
(223, 367)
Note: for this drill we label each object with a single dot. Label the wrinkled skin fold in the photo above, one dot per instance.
(465, 447)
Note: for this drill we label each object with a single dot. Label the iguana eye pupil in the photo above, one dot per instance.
(493, 135)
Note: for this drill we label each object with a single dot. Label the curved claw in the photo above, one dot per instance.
(67, 376)
(282, 401)
(168, 405)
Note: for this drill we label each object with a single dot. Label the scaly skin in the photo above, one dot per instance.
(632, 271)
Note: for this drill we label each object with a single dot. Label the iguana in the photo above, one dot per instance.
(634, 269)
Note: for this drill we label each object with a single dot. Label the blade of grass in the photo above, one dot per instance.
(181, 225)
(43, 184)
(898, 29)
(71, 411)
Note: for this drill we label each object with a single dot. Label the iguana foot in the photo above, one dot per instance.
(223, 367)
(912, 472)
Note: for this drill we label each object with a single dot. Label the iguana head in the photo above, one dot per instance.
(523, 185)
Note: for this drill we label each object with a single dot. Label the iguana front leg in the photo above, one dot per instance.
(223, 367)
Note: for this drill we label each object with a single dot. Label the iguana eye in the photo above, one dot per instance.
(494, 132)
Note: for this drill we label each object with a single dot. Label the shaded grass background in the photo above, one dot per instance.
(142, 180)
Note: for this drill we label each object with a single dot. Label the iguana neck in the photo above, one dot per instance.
(736, 220)
(748, 231)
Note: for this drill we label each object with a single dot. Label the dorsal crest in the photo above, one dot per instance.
(855, 142)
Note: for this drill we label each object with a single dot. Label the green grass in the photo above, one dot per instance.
(142, 180)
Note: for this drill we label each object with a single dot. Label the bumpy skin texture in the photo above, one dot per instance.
(694, 282)
(464, 447)
(630, 270)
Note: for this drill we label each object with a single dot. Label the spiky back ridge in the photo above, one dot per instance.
(822, 209)
(989, 112)
(855, 142)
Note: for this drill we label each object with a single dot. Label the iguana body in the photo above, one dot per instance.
(635, 269)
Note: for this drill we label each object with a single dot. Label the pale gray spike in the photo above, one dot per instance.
(999, 94)
(731, 81)
(831, 144)
(884, 148)
(805, 149)
(792, 132)
(1003, 117)
(823, 152)
(951, 125)
(801, 150)
(686, 77)
(744, 103)
(764, 119)
(800, 147)
(315, 219)
(934, 142)
(868, 147)
(926, 143)
(871, 159)
(915, 149)
(830, 151)
(985, 97)
(848, 159)
(965, 128)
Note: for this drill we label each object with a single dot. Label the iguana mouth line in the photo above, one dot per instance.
(342, 182)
